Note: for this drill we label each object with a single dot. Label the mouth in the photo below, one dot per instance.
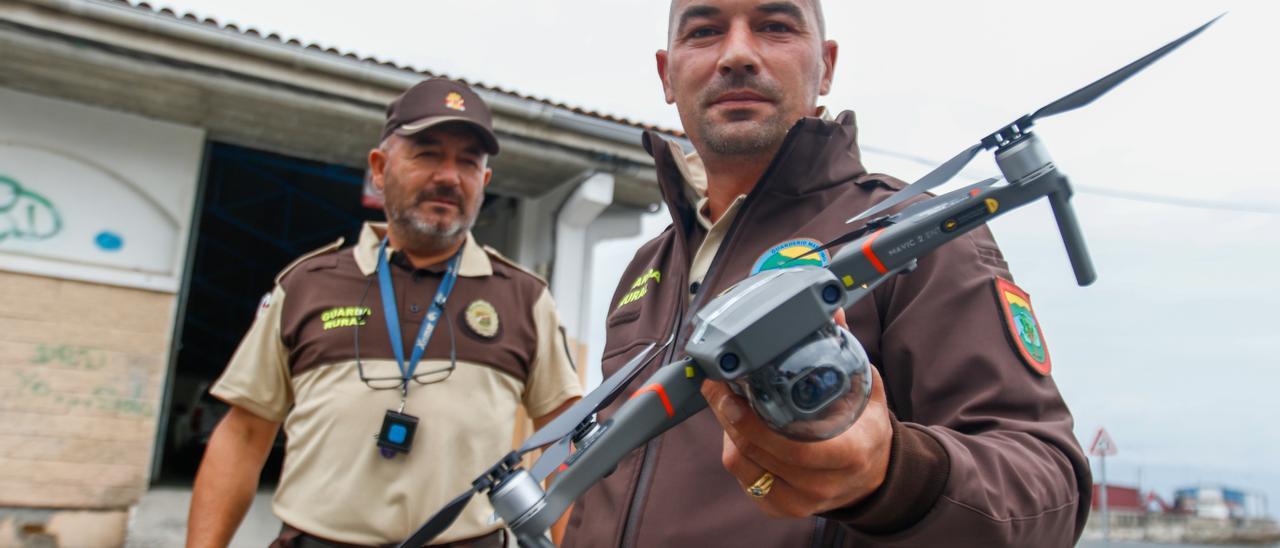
(740, 99)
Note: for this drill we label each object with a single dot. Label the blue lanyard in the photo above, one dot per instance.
(428, 323)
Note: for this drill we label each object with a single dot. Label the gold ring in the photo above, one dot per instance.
(762, 486)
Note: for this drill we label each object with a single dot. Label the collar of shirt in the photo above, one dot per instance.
(474, 263)
(695, 181)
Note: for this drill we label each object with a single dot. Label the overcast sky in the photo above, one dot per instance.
(1174, 349)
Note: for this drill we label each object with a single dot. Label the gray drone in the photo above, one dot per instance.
(772, 337)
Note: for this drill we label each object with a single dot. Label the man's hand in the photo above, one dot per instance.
(809, 477)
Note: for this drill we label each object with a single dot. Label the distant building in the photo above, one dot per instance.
(1219, 502)
(1119, 499)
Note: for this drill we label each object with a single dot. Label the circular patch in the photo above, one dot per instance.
(788, 254)
(482, 318)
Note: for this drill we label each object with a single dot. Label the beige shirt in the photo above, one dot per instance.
(297, 364)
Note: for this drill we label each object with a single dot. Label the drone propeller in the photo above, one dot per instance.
(1087, 94)
(559, 431)
(602, 396)
(442, 520)
(1071, 101)
(552, 457)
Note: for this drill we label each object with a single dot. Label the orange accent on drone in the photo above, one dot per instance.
(661, 392)
(871, 254)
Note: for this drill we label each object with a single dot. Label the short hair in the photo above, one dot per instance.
(817, 11)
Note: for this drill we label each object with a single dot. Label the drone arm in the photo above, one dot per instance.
(1072, 238)
(666, 399)
(872, 259)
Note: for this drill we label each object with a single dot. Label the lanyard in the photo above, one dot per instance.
(428, 323)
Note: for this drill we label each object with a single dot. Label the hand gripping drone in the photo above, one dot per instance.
(772, 338)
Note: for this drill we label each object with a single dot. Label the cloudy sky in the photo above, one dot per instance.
(1173, 350)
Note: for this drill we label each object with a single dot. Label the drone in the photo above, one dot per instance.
(772, 337)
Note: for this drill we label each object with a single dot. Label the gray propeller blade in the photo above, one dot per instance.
(564, 424)
(552, 457)
(439, 522)
(1087, 94)
(939, 175)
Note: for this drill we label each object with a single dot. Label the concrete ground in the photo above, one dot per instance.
(160, 520)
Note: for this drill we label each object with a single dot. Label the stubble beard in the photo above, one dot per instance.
(743, 137)
(422, 234)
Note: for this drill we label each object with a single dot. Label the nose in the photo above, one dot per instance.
(447, 172)
(739, 53)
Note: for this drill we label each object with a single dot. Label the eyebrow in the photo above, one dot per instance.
(783, 8)
(772, 8)
(695, 12)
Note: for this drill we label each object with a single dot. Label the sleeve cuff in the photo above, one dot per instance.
(917, 474)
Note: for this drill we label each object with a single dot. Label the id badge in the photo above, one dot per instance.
(397, 433)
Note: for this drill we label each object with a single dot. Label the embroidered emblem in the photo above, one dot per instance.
(455, 101)
(482, 318)
(640, 288)
(1023, 327)
(784, 254)
(345, 316)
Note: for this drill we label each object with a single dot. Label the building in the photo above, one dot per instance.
(1219, 502)
(156, 170)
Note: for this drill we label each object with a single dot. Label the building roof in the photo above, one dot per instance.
(312, 46)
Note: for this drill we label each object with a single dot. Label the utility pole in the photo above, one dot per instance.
(1101, 447)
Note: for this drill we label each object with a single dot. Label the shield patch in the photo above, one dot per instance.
(1022, 326)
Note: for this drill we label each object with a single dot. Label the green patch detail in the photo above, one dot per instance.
(345, 316)
(640, 287)
(1028, 333)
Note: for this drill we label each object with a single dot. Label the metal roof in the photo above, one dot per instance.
(314, 47)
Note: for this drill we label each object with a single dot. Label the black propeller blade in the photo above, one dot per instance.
(1074, 100)
(441, 521)
(939, 175)
(564, 424)
(1087, 94)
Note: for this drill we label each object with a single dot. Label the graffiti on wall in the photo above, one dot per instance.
(26, 215)
(119, 398)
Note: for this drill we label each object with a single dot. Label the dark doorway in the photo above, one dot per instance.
(259, 212)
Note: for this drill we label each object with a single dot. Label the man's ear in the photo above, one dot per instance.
(661, 57)
(488, 176)
(377, 166)
(830, 51)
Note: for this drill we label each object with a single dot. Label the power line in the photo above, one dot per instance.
(1112, 193)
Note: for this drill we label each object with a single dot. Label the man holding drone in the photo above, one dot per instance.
(965, 441)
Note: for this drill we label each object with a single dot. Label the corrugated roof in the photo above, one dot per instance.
(311, 46)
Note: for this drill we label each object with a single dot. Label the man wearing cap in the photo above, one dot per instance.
(396, 365)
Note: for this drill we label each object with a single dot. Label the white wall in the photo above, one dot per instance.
(94, 195)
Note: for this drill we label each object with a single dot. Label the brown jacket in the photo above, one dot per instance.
(983, 452)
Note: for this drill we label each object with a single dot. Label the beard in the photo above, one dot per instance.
(418, 229)
(745, 136)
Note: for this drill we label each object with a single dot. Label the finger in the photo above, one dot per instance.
(840, 319)
(782, 500)
(823, 488)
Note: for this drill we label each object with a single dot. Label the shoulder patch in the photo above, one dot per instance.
(336, 245)
(1022, 327)
(494, 254)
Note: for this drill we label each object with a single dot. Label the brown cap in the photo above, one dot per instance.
(440, 101)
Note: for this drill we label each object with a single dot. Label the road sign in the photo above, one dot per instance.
(1103, 445)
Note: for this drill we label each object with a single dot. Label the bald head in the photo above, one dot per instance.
(679, 8)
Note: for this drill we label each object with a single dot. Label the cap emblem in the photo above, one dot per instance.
(455, 101)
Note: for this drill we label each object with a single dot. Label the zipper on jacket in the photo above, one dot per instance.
(648, 461)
